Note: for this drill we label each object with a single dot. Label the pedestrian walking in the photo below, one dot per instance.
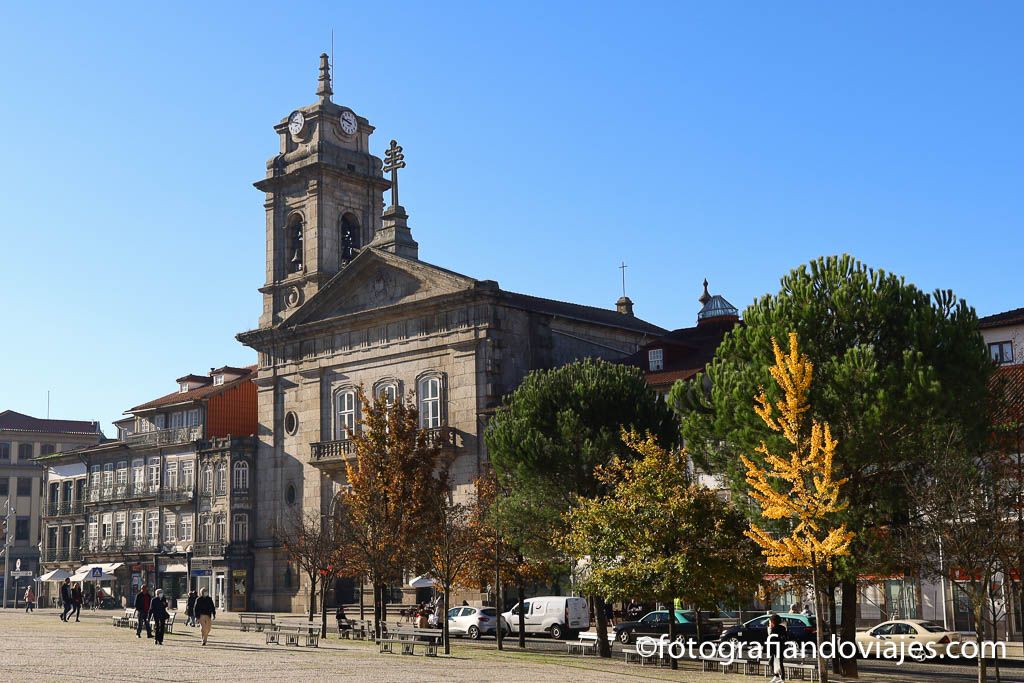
(76, 601)
(142, 601)
(65, 599)
(190, 608)
(206, 612)
(158, 610)
(30, 600)
(776, 664)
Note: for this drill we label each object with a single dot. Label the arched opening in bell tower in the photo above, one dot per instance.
(350, 237)
(293, 242)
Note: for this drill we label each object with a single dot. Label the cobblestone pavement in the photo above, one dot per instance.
(39, 647)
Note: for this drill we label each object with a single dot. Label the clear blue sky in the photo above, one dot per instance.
(546, 142)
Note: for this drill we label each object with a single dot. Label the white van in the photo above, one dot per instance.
(561, 616)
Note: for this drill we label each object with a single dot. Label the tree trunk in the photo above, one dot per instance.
(604, 649)
(498, 604)
(362, 599)
(836, 665)
(312, 597)
(819, 626)
(323, 608)
(672, 661)
(522, 617)
(444, 616)
(849, 626)
(979, 633)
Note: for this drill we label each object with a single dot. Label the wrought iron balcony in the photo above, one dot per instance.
(103, 494)
(62, 509)
(209, 549)
(164, 437)
(180, 494)
(62, 554)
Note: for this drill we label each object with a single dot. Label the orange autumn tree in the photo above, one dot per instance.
(452, 548)
(800, 485)
(383, 521)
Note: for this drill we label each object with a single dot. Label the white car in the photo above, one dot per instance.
(472, 621)
(559, 615)
(903, 632)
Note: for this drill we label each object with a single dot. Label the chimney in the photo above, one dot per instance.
(624, 305)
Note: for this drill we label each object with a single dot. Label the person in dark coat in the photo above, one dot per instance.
(76, 602)
(158, 611)
(206, 612)
(65, 599)
(343, 622)
(190, 608)
(142, 601)
(776, 664)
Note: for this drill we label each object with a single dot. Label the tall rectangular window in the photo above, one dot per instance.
(138, 473)
(430, 402)
(170, 527)
(177, 420)
(222, 476)
(345, 414)
(187, 475)
(655, 360)
(222, 528)
(240, 530)
(24, 486)
(21, 529)
(153, 527)
(5, 450)
(5, 485)
(186, 528)
(136, 527)
(122, 473)
(25, 453)
(108, 475)
(160, 421)
(154, 474)
(192, 418)
(171, 475)
(120, 525)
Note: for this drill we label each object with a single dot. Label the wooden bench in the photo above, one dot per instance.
(307, 633)
(122, 621)
(257, 621)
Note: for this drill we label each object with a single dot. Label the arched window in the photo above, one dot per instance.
(429, 393)
(207, 482)
(240, 476)
(386, 390)
(240, 528)
(344, 414)
(349, 237)
(222, 479)
(293, 242)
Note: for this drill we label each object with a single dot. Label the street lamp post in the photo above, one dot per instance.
(8, 511)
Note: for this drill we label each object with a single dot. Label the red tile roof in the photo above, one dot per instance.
(197, 394)
(19, 422)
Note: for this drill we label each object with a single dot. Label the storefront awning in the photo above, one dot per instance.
(175, 568)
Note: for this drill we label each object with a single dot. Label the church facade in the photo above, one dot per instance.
(347, 303)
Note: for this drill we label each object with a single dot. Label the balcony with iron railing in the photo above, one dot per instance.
(164, 437)
(62, 509)
(215, 549)
(62, 554)
(334, 454)
(179, 494)
(121, 545)
(104, 494)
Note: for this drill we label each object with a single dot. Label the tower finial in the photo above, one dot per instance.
(706, 296)
(323, 88)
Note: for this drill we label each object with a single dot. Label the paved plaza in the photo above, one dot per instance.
(39, 647)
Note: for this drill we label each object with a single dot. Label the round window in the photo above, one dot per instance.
(289, 494)
(291, 422)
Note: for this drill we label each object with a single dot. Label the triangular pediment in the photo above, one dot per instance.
(378, 279)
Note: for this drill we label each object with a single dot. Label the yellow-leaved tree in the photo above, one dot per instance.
(800, 485)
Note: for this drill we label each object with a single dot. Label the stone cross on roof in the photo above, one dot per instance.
(394, 159)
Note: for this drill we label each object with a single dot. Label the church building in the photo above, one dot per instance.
(347, 303)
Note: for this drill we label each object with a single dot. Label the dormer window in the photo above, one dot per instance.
(183, 388)
(218, 380)
(656, 360)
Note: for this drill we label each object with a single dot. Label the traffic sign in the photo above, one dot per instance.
(17, 564)
(20, 575)
(96, 573)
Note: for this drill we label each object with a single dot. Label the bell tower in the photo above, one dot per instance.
(324, 199)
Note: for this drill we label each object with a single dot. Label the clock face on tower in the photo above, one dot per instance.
(348, 123)
(295, 122)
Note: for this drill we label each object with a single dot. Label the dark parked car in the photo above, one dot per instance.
(799, 628)
(656, 624)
